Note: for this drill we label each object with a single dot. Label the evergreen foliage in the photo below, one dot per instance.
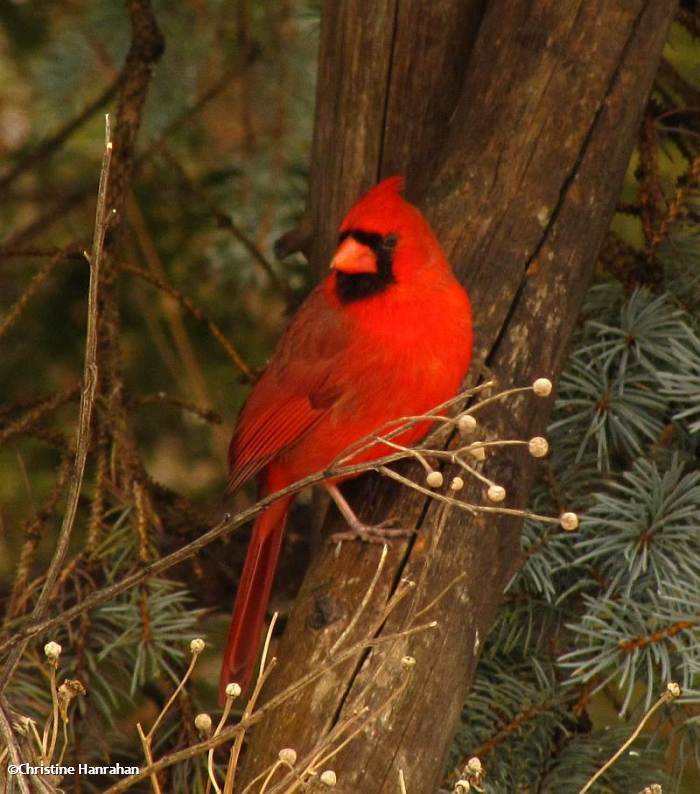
(594, 626)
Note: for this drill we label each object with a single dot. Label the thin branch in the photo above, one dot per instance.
(31, 252)
(274, 703)
(35, 284)
(161, 398)
(263, 673)
(57, 210)
(11, 743)
(502, 511)
(77, 197)
(55, 141)
(223, 81)
(146, 744)
(225, 221)
(196, 312)
(671, 693)
(38, 411)
(172, 310)
(229, 523)
(171, 699)
(86, 404)
(33, 530)
(365, 600)
(636, 643)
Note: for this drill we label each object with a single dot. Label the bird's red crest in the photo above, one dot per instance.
(392, 184)
(382, 200)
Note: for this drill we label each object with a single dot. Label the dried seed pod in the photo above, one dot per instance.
(542, 387)
(466, 424)
(538, 447)
(288, 755)
(434, 479)
(569, 521)
(496, 493)
(53, 651)
(233, 690)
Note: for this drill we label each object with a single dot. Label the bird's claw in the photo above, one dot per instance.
(379, 533)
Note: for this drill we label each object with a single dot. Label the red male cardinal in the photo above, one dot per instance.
(387, 334)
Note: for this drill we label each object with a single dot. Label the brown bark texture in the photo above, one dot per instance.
(513, 121)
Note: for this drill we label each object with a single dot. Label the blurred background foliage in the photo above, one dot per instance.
(247, 70)
(593, 626)
(223, 156)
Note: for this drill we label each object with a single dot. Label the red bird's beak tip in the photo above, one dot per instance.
(354, 257)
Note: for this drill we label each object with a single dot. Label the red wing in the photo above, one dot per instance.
(257, 441)
(295, 391)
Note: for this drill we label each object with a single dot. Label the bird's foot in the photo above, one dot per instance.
(368, 533)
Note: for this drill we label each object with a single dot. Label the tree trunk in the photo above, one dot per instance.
(514, 121)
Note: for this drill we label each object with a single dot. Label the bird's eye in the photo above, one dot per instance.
(390, 241)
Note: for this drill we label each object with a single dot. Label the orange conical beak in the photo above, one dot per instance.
(354, 257)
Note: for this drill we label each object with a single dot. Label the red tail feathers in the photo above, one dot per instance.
(252, 597)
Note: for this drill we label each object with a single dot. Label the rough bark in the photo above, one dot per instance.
(528, 170)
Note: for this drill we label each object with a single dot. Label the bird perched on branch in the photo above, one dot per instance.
(387, 334)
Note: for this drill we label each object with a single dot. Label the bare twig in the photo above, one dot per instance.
(402, 782)
(671, 692)
(195, 311)
(225, 221)
(188, 358)
(36, 412)
(86, 403)
(161, 398)
(47, 252)
(234, 71)
(53, 213)
(365, 600)
(229, 523)
(146, 744)
(11, 743)
(501, 511)
(263, 673)
(21, 592)
(229, 733)
(196, 647)
(37, 281)
(55, 141)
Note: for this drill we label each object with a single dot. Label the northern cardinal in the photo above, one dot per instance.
(387, 334)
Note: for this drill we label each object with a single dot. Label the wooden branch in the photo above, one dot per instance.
(527, 177)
